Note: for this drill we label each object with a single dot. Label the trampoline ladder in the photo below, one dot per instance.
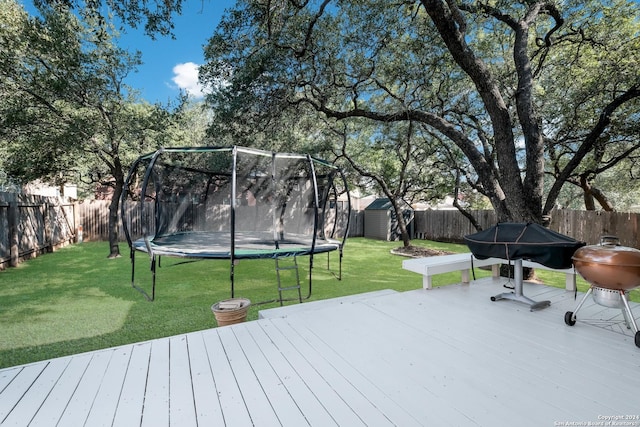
(293, 267)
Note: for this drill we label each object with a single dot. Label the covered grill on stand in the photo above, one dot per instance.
(612, 270)
(518, 241)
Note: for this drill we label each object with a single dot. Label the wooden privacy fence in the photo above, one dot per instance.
(448, 225)
(31, 225)
(441, 225)
(93, 216)
(587, 226)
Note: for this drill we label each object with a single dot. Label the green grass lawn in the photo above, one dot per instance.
(76, 300)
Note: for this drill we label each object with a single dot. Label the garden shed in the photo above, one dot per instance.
(380, 221)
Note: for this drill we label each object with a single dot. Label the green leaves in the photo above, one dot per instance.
(64, 97)
(511, 92)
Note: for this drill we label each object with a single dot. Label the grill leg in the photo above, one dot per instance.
(584, 299)
(570, 316)
(628, 314)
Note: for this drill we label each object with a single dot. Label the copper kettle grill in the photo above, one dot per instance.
(612, 270)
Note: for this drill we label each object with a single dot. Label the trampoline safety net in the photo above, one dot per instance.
(233, 203)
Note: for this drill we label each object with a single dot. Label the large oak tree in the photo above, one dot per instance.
(525, 90)
(65, 112)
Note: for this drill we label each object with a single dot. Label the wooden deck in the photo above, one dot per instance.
(441, 357)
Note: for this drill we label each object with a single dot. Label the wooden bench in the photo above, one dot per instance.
(463, 262)
(570, 273)
(433, 265)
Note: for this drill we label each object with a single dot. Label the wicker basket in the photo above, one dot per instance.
(231, 311)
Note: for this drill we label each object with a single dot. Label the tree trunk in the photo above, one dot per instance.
(114, 248)
(114, 206)
(404, 234)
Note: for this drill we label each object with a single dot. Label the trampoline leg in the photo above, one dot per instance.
(310, 275)
(339, 275)
(132, 256)
(231, 277)
(153, 279)
(153, 275)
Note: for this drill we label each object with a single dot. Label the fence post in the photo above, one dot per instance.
(48, 232)
(76, 220)
(12, 218)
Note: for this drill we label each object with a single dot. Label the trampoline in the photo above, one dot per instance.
(233, 203)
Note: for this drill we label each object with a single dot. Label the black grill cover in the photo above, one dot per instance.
(524, 241)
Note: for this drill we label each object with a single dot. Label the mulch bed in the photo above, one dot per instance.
(418, 252)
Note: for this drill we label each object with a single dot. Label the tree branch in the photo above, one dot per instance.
(588, 144)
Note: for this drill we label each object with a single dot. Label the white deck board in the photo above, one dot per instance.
(368, 358)
(415, 371)
(182, 407)
(353, 398)
(255, 399)
(83, 397)
(234, 410)
(314, 412)
(59, 396)
(485, 346)
(16, 389)
(26, 408)
(106, 401)
(156, 397)
(440, 357)
(7, 376)
(131, 400)
(262, 358)
(330, 401)
(369, 388)
(205, 394)
(322, 304)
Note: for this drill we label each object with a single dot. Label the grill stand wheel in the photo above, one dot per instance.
(570, 316)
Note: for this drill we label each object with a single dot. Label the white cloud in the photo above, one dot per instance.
(185, 76)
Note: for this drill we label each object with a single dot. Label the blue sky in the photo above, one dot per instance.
(170, 65)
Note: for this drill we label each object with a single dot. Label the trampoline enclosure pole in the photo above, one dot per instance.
(315, 220)
(347, 226)
(233, 220)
